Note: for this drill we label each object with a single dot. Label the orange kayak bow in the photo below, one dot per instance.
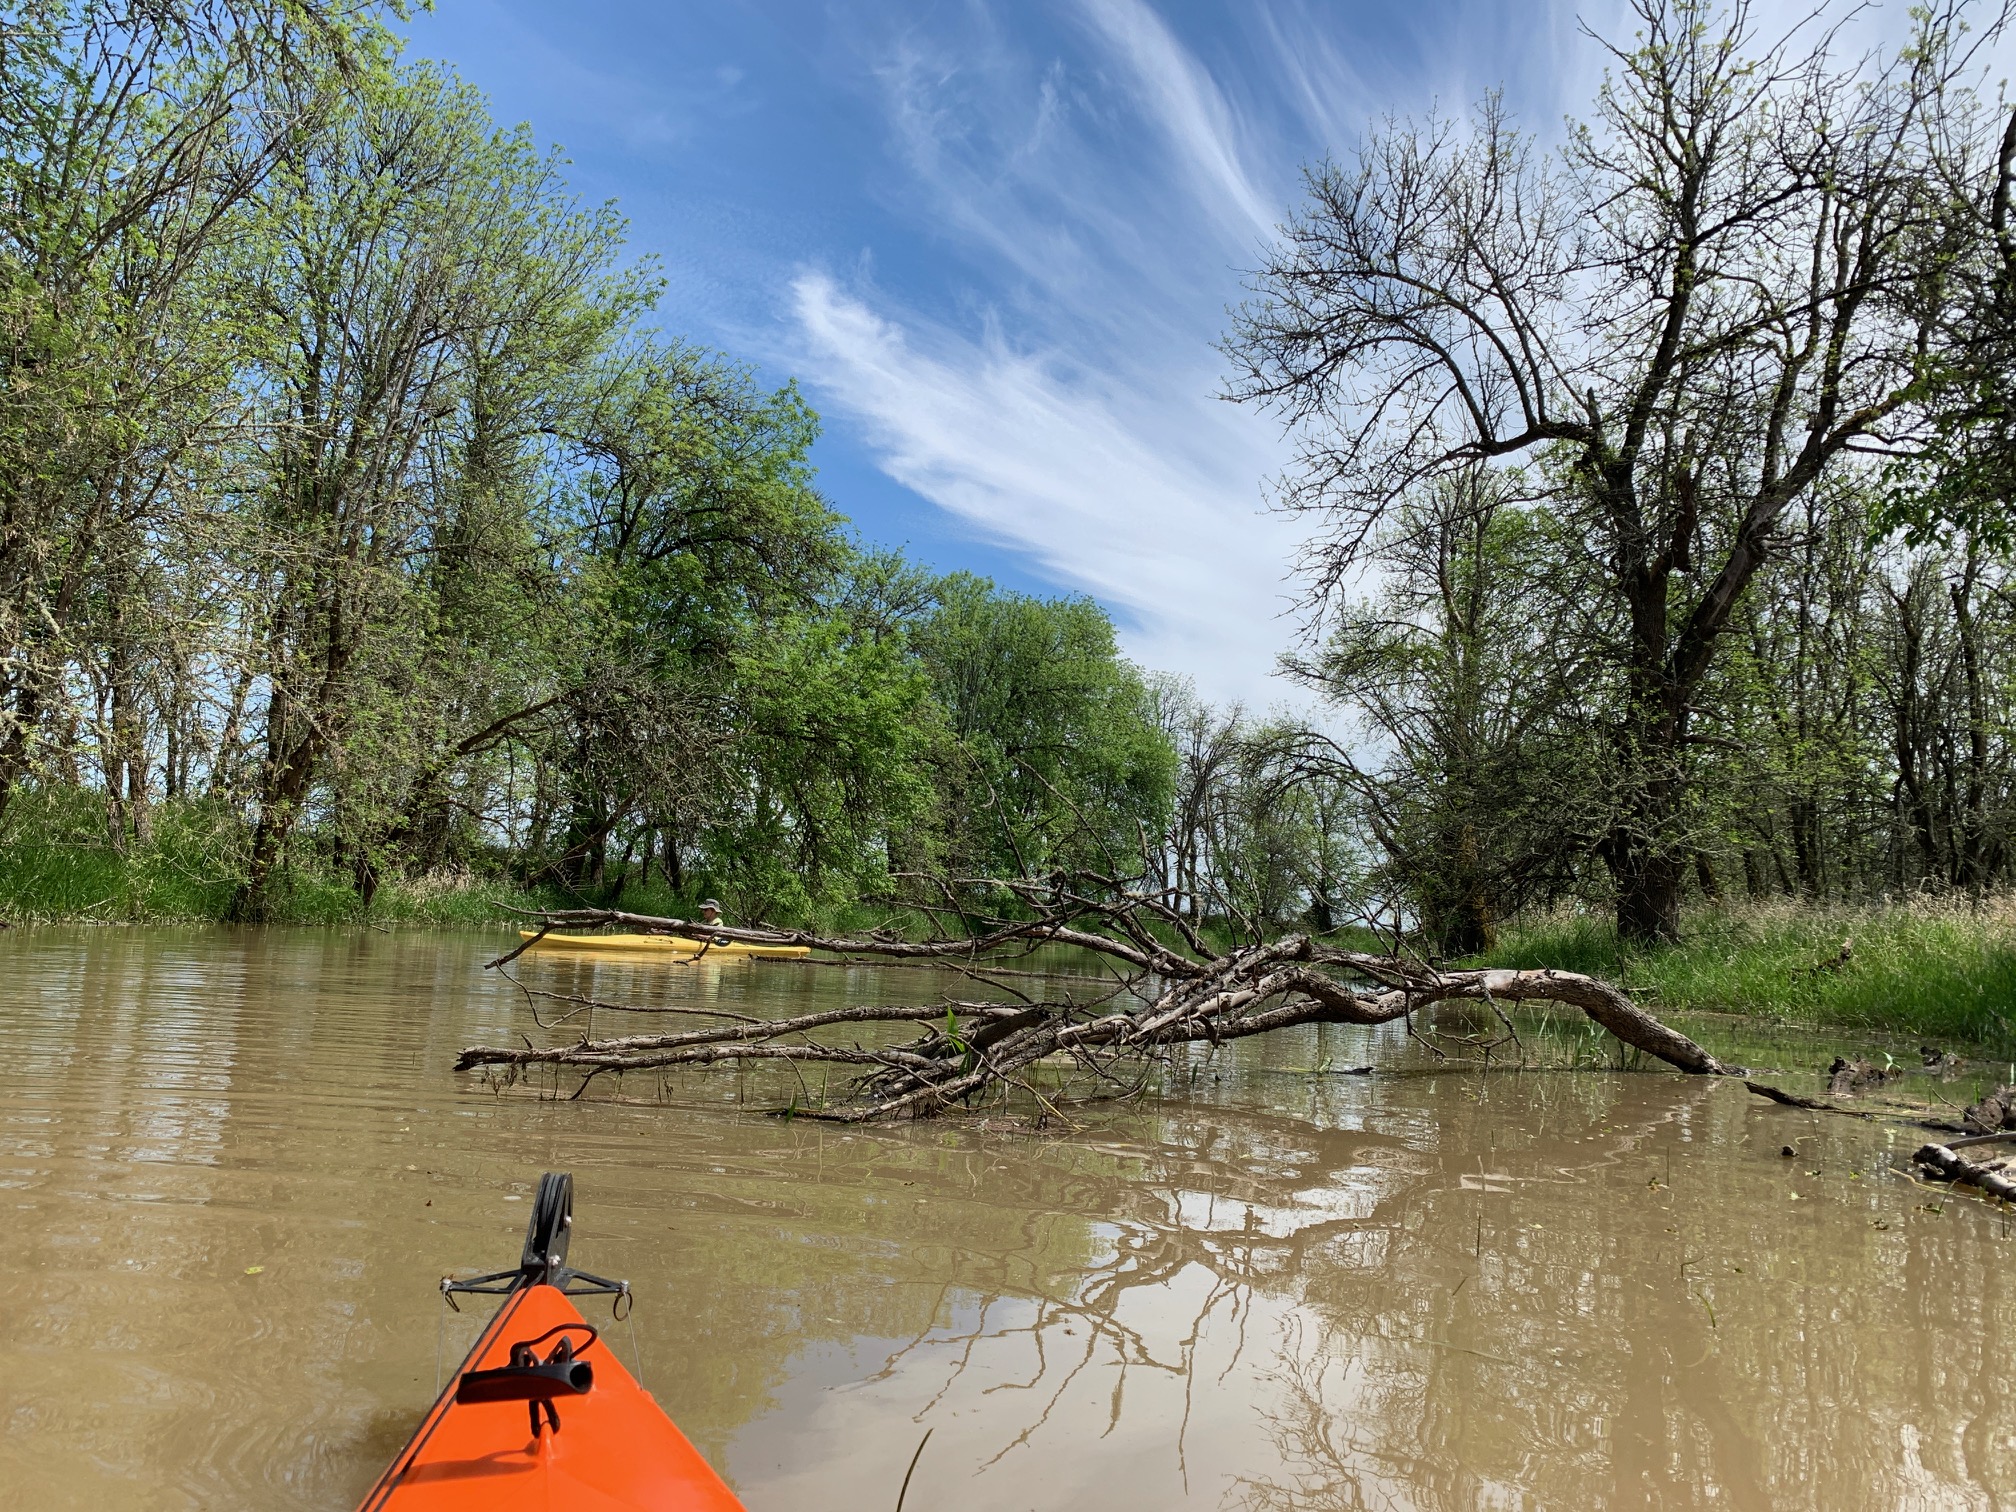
(541, 1414)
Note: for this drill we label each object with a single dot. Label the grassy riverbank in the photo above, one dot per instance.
(1944, 971)
(58, 865)
(1941, 970)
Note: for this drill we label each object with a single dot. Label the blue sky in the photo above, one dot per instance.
(995, 240)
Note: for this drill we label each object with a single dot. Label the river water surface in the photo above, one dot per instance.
(233, 1167)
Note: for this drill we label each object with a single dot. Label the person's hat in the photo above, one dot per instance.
(710, 903)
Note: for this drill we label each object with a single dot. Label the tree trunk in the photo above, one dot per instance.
(1648, 863)
(1806, 852)
(1705, 878)
(139, 806)
(1971, 840)
(15, 750)
(1647, 858)
(364, 875)
(1650, 884)
(280, 804)
(127, 772)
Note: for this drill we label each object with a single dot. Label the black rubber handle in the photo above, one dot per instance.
(527, 1383)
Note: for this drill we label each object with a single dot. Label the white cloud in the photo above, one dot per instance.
(1083, 206)
(1181, 97)
(1165, 528)
(1054, 384)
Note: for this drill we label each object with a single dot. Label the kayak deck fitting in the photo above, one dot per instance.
(665, 944)
(541, 1414)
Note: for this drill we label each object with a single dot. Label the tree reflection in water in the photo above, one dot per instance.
(1541, 1290)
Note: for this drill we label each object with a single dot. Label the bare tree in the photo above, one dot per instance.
(1718, 289)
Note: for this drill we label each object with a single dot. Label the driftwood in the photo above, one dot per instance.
(1796, 1100)
(1915, 1115)
(1942, 1161)
(1846, 1078)
(1994, 1112)
(1167, 988)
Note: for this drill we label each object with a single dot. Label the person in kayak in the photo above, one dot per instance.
(710, 915)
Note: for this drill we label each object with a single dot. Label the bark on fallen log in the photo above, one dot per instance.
(1892, 1114)
(1940, 1159)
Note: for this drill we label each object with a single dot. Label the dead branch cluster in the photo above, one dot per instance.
(1162, 986)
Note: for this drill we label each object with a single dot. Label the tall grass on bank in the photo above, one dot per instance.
(57, 860)
(1940, 969)
(58, 864)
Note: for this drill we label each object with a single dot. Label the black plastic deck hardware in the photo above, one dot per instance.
(544, 1262)
(535, 1381)
(528, 1378)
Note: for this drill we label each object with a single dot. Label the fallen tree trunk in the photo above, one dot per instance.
(1941, 1160)
(1161, 995)
(1893, 1111)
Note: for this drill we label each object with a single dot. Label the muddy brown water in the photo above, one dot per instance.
(234, 1165)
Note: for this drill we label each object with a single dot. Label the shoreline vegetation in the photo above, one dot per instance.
(1941, 968)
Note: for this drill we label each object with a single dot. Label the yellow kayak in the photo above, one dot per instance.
(677, 945)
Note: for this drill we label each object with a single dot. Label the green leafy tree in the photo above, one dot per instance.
(1476, 779)
(394, 240)
(132, 141)
(1057, 759)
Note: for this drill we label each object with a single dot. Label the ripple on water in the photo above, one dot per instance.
(237, 1162)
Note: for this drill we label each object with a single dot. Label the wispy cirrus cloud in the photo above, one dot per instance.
(1058, 393)
(1174, 91)
(1058, 464)
(999, 237)
(1087, 194)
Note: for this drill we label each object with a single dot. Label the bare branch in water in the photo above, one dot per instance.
(1161, 996)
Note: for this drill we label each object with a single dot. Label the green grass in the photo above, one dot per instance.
(1942, 971)
(57, 864)
(57, 861)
